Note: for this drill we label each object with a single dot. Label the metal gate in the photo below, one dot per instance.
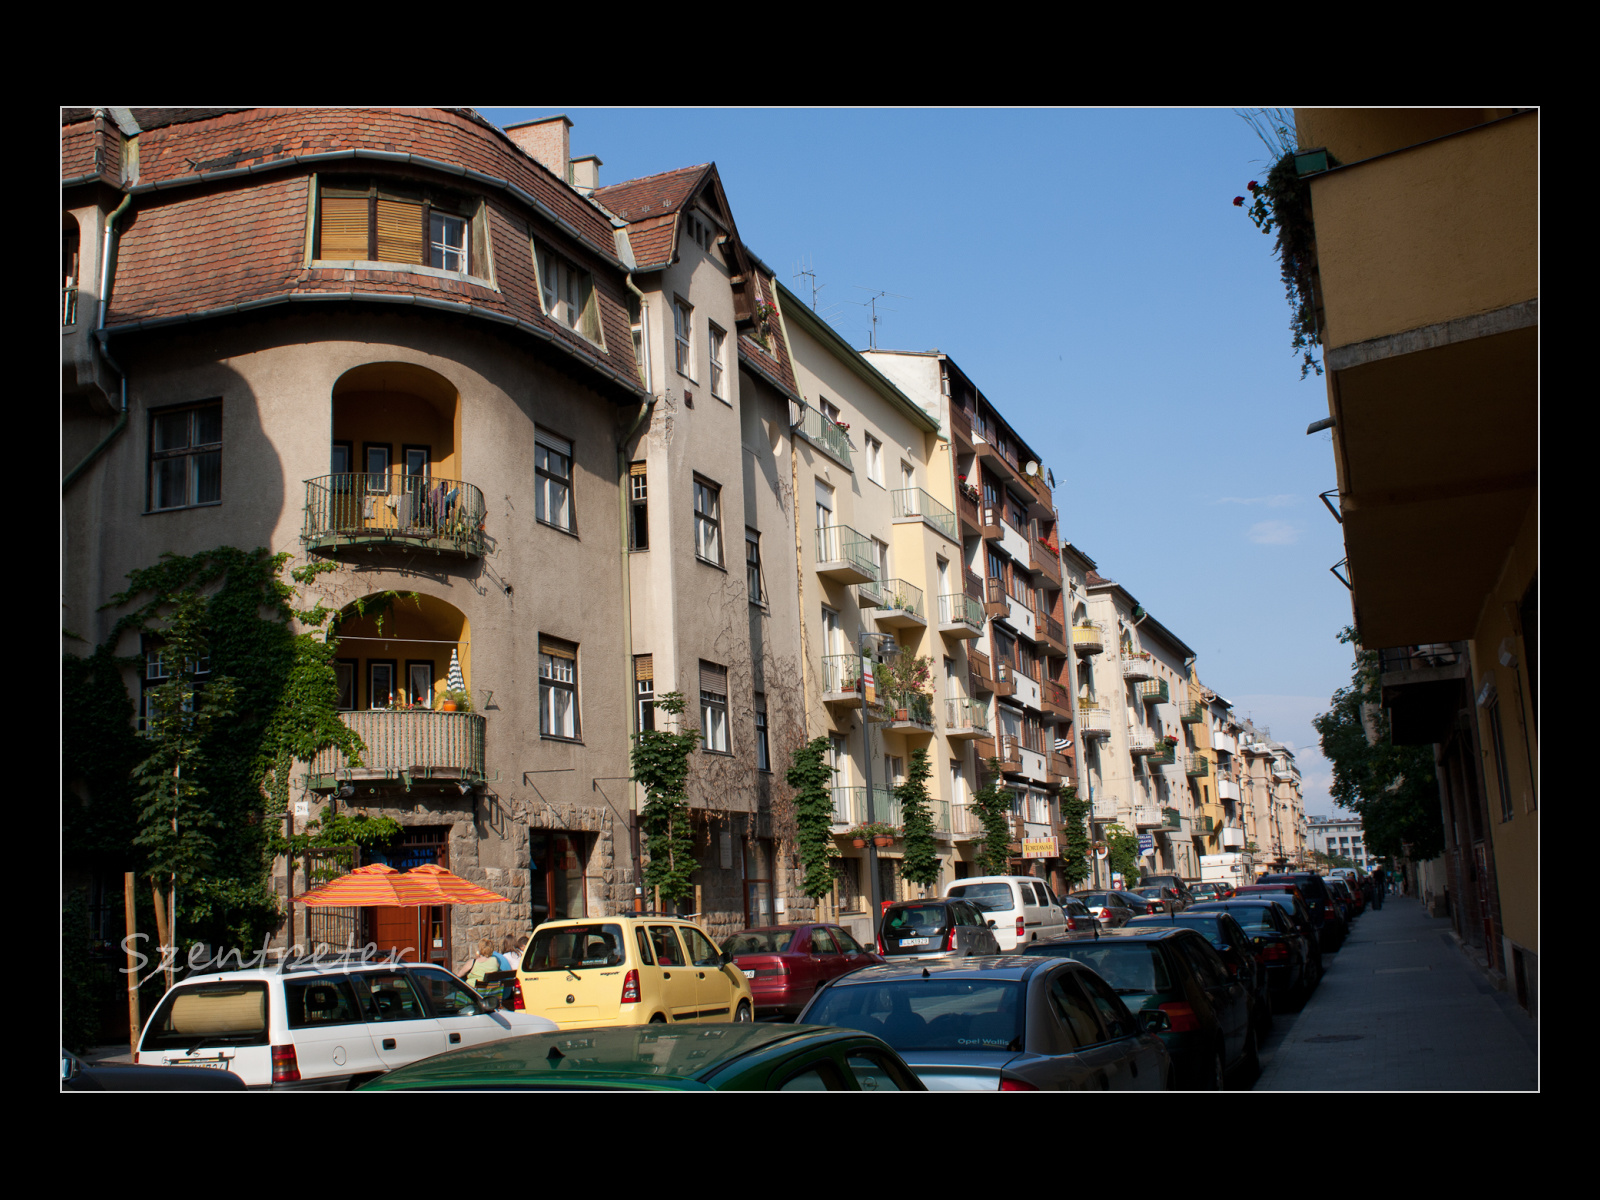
(329, 929)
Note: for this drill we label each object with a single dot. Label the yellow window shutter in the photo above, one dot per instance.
(344, 228)
(400, 232)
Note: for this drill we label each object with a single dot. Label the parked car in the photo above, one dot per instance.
(1324, 913)
(915, 930)
(1288, 899)
(707, 1057)
(1348, 898)
(630, 969)
(1110, 908)
(315, 1023)
(1001, 1024)
(78, 1076)
(1079, 919)
(1286, 952)
(1159, 900)
(1211, 891)
(1172, 969)
(1173, 887)
(786, 963)
(1236, 950)
(1019, 908)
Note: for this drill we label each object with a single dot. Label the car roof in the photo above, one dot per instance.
(1013, 966)
(308, 965)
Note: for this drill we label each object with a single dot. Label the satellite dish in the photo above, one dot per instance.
(1032, 468)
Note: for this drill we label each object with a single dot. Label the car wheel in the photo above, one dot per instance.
(742, 1014)
(658, 1019)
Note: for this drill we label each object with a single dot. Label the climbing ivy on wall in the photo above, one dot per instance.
(1075, 838)
(993, 806)
(661, 766)
(812, 778)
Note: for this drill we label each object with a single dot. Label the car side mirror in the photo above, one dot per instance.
(724, 958)
(991, 924)
(1154, 1020)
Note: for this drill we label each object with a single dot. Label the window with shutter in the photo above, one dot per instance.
(714, 707)
(558, 688)
(369, 221)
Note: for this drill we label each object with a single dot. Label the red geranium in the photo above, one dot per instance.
(1238, 201)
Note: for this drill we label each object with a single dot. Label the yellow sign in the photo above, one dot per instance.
(1042, 848)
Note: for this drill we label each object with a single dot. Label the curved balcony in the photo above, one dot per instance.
(443, 515)
(1094, 721)
(1088, 639)
(1142, 741)
(1138, 667)
(406, 745)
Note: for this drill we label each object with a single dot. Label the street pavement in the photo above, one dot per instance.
(1402, 1008)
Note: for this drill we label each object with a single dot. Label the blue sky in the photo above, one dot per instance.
(1088, 270)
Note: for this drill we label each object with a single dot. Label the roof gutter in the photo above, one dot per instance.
(107, 274)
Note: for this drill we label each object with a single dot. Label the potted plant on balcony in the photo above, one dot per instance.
(455, 700)
(900, 678)
(878, 832)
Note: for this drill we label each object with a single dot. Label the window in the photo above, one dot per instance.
(558, 688)
(419, 683)
(707, 522)
(682, 327)
(719, 341)
(752, 564)
(639, 499)
(158, 671)
(362, 221)
(908, 477)
(763, 752)
(552, 464)
(345, 671)
(1502, 776)
(186, 456)
(714, 707)
(381, 683)
(829, 409)
(874, 459)
(644, 691)
(568, 294)
(880, 559)
(699, 232)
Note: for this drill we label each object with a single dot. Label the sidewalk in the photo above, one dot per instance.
(1402, 1008)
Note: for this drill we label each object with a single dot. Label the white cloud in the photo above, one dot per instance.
(1269, 501)
(1273, 533)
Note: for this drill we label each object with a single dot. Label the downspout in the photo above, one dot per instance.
(623, 483)
(107, 273)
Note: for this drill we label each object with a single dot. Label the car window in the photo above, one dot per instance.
(760, 941)
(325, 1000)
(987, 897)
(1074, 1011)
(447, 995)
(701, 952)
(388, 996)
(873, 1073)
(645, 956)
(1207, 962)
(846, 942)
(1127, 966)
(1119, 1022)
(1042, 894)
(570, 947)
(233, 1014)
(914, 1013)
(665, 943)
(821, 943)
(821, 1077)
(920, 917)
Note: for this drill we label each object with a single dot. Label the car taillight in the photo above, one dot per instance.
(517, 1004)
(1017, 1085)
(1273, 951)
(1020, 928)
(772, 972)
(950, 939)
(1072, 924)
(881, 950)
(1180, 1017)
(630, 987)
(285, 1067)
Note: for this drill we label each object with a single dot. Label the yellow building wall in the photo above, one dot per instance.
(1352, 134)
(420, 629)
(1516, 842)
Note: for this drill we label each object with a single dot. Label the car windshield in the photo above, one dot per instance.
(1251, 916)
(760, 941)
(1095, 899)
(1209, 926)
(989, 897)
(210, 1014)
(1129, 967)
(928, 1014)
(567, 947)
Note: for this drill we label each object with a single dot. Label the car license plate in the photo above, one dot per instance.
(914, 941)
(748, 974)
(216, 1064)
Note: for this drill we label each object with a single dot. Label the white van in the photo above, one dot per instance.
(1019, 908)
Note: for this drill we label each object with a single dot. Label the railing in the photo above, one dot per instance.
(915, 502)
(1087, 636)
(841, 673)
(850, 806)
(961, 421)
(1060, 764)
(1053, 630)
(960, 609)
(1196, 765)
(899, 596)
(820, 431)
(869, 594)
(978, 662)
(1153, 692)
(1423, 657)
(975, 587)
(840, 543)
(918, 708)
(1171, 819)
(1193, 713)
(961, 714)
(1045, 556)
(1057, 695)
(444, 514)
(1140, 741)
(1206, 824)
(964, 820)
(967, 509)
(414, 743)
(1094, 719)
(1165, 754)
(1137, 666)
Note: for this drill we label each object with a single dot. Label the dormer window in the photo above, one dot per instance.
(394, 222)
(698, 231)
(567, 292)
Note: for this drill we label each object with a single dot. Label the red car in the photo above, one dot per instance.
(787, 963)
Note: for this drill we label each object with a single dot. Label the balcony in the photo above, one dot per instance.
(900, 605)
(965, 719)
(1422, 689)
(1171, 820)
(1138, 667)
(1045, 557)
(1283, 774)
(1087, 639)
(1142, 741)
(1094, 721)
(1005, 681)
(1232, 837)
(967, 511)
(995, 603)
(960, 616)
(850, 807)
(990, 525)
(841, 680)
(844, 556)
(406, 746)
(912, 504)
(1227, 789)
(1154, 691)
(413, 512)
(965, 822)
(918, 710)
(1193, 713)
(1057, 700)
(1205, 825)
(821, 432)
(1059, 769)
(1164, 755)
(1147, 816)
(1196, 766)
(1007, 751)
(1052, 634)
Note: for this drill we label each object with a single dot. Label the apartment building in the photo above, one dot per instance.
(1425, 225)
(1342, 836)
(1008, 578)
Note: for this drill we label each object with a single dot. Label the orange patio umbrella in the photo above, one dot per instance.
(456, 889)
(379, 885)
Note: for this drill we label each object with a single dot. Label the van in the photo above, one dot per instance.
(1019, 908)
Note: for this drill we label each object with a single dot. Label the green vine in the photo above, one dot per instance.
(1122, 853)
(661, 765)
(811, 778)
(921, 864)
(993, 806)
(1075, 838)
(338, 831)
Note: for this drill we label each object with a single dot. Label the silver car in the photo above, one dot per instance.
(913, 930)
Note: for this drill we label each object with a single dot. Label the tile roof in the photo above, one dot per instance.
(1095, 579)
(650, 206)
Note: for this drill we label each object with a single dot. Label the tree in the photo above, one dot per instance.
(921, 864)
(1392, 788)
(993, 806)
(1075, 831)
(1122, 852)
(810, 776)
(661, 766)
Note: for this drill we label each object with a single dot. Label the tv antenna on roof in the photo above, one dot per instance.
(872, 302)
(807, 270)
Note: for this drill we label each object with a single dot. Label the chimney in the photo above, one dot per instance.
(584, 174)
(547, 141)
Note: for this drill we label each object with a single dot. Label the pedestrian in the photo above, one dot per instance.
(474, 971)
(510, 954)
(1380, 884)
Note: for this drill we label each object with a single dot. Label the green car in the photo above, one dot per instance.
(688, 1058)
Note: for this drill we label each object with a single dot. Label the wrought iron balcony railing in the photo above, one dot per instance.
(841, 544)
(358, 508)
(961, 609)
(897, 596)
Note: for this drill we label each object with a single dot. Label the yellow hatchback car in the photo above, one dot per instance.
(630, 969)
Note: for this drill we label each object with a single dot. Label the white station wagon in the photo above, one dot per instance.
(309, 1024)
(1019, 908)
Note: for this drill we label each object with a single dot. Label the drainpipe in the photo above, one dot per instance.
(643, 416)
(107, 272)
